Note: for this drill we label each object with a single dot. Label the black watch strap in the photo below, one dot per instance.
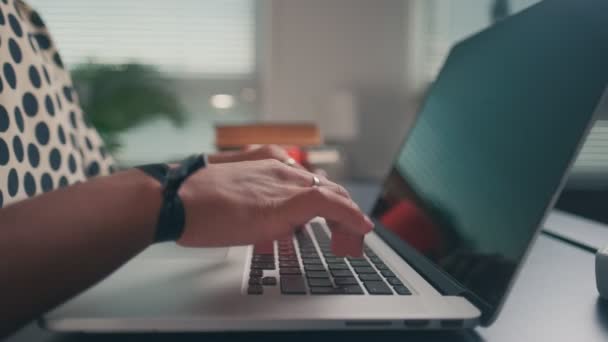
(172, 216)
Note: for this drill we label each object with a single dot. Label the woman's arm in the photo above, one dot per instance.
(57, 244)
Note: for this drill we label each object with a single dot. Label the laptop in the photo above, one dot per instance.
(458, 211)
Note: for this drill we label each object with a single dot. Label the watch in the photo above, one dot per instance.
(172, 216)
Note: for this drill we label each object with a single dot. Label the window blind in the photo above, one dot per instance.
(214, 37)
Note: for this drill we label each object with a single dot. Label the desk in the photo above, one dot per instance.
(554, 299)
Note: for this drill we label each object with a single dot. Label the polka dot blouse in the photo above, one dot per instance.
(45, 143)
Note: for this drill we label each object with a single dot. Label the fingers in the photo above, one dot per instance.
(321, 201)
(344, 243)
(304, 179)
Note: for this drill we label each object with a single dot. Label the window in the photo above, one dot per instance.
(203, 48)
(183, 36)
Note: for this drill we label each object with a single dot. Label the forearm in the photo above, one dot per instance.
(58, 244)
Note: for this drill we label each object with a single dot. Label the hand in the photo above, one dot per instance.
(248, 202)
(251, 153)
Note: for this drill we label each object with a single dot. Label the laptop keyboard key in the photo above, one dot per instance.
(375, 260)
(341, 273)
(263, 258)
(256, 273)
(314, 267)
(381, 266)
(346, 281)
(365, 270)
(255, 290)
(394, 281)
(317, 274)
(269, 281)
(293, 285)
(370, 277)
(312, 282)
(262, 266)
(387, 273)
(352, 289)
(338, 267)
(356, 259)
(312, 262)
(255, 281)
(377, 288)
(334, 260)
(402, 290)
(283, 264)
(360, 263)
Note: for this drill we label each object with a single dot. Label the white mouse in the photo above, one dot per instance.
(601, 271)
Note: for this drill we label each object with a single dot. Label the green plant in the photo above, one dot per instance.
(116, 98)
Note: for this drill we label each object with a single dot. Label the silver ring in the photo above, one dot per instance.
(316, 181)
(290, 162)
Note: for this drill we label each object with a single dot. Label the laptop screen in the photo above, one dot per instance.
(492, 142)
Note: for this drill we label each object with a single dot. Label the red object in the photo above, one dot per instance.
(411, 224)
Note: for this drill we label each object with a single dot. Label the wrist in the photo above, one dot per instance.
(147, 199)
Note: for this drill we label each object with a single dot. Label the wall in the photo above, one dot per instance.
(315, 49)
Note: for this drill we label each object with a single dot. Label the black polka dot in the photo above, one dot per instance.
(48, 104)
(13, 182)
(73, 120)
(46, 182)
(32, 40)
(57, 60)
(1, 85)
(72, 163)
(55, 159)
(19, 119)
(1, 199)
(29, 184)
(15, 51)
(61, 135)
(18, 148)
(14, 22)
(36, 20)
(63, 181)
(2, 20)
(88, 143)
(17, 9)
(59, 105)
(67, 92)
(93, 169)
(73, 140)
(33, 155)
(43, 41)
(30, 104)
(4, 120)
(42, 133)
(9, 75)
(45, 72)
(34, 76)
(4, 153)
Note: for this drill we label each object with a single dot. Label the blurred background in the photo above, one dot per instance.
(156, 77)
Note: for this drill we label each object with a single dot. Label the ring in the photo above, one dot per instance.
(315, 181)
(290, 162)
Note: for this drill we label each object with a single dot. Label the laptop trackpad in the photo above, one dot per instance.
(171, 250)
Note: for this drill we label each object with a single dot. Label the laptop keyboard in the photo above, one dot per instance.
(317, 271)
